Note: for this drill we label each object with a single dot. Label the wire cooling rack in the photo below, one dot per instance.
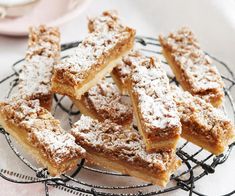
(196, 163)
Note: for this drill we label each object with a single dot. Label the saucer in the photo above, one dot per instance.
(62, 12)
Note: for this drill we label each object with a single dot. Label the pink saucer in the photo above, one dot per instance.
(49, 12)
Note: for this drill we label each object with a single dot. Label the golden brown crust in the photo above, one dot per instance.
(94, 58)
(104, 101)
(109, 21)
(192, 67)
(157, 178)
(42, 54)
(153, 104)
(203, 124)
(124, 148)
(41, 134)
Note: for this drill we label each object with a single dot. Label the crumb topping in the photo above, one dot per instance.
(43, 52)
(44, 41)
(108, 21)
(119, 144)
(151, 86)
(58, 145)
(91, 54)
(35, 76)
(193, 61)
(107, 101)
(43, 131)
(205, 119)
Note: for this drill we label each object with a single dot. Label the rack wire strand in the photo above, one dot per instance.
(75, 184)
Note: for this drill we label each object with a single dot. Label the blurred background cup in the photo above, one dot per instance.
(16, 8)
(17, 15)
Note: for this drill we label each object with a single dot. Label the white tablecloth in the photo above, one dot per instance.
(213, 21)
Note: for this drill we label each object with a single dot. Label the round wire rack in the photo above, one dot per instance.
(196, 162)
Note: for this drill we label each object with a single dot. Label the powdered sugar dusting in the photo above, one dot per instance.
(42, 53)
(118, 143)
(58, 145)
(212, 122)
(43, 130)
(108, 21)
(151, 86)
(193, 62)
(35, 76)
(91, 54)
(43, 41)
(106, 100)
(20, 110)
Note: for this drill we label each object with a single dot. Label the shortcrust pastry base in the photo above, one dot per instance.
(77, 91)
(21, 137)
(161, 178)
